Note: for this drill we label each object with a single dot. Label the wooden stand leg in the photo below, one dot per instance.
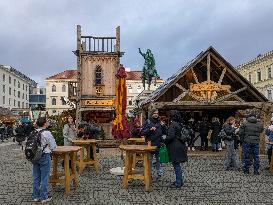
(95, 157)
(74, 172)
(81, 162)
(147, 174)
(126, 170)
(55, 170)
(67, 173)
(134, 161)
(271, 163)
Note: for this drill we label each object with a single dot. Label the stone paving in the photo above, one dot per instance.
(206, 183)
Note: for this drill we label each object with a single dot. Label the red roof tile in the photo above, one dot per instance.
(133, 75)
(67, 74)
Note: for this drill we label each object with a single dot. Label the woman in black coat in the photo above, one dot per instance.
(176, 147)
(215, 139)
(20, 133)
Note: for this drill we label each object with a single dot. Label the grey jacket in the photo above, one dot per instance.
(250, 131)
(69, 133)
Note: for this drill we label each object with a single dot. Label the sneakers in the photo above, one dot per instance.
(174, 185)
(220, 148)
(246, 172)
(46, 200)
(257, 173)
(36, 200)
(189, 149)
(193, 149)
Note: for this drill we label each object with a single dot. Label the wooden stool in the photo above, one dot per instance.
(65, 152)
(129, 174)
(139, 157)
(86, 161)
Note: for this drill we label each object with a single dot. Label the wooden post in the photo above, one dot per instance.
(208, 68)
(117, 39)
(79, 85)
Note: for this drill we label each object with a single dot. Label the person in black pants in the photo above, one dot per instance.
(204, 130)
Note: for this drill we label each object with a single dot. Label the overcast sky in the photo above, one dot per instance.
(37, 36)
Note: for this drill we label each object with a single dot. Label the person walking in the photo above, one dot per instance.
(204, 130)
(176, 146)
(41, 167)
(69, 131)
(215, 139)
(231, 161)
(20, 133)
(249, 133)
(153, 130)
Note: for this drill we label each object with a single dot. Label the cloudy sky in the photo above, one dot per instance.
(37, 36)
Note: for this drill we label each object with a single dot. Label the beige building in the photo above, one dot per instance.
(135, 87)
(56, 89)
(259, 72)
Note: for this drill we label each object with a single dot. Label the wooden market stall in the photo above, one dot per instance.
(208, 86)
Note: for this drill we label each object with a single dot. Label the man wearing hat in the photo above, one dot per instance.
(153, 130)
(249, 133)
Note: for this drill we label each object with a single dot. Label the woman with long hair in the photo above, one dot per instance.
(69, 131)
(231, 161)
(215, 139)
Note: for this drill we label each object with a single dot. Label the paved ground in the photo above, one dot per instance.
(205, 183)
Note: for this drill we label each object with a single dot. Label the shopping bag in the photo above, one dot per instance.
(163, 154)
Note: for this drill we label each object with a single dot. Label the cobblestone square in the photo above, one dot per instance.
(205, 183)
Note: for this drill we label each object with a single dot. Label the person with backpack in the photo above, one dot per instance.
(269, 134)
(153, 130)
(20, 133)
(41, 165)
(231, 161)
(69, 131)
(249, 133)
(177, 149)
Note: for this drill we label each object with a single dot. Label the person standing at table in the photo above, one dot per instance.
(69, 131)
(176, 146)
(41, 167)
(153, 130)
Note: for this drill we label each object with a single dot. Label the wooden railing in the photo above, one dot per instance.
(99, 44)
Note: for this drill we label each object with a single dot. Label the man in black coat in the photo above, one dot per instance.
(176, 147)
(153, 130)
(249, 133)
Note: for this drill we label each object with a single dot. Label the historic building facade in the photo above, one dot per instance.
(259, 72)
(14, 88)
(57, 91)
(135, 87)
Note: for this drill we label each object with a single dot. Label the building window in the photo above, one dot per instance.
(19, 105)
(4, 77)
(63, 102)
(19, 84)
(9, 80)
(98, 75)
(9, 101)
(23, 95)
(4, 88)
(14, 93)
(53, 88)
(269, 94)
(54, 111)
(23, 86)
(249, 78)
(130, 102)
(139, 89)
(14, 103)
(259, 76)
(10, 91)
(26, 105)
(14, 82)
(63, 88)
(130, 89)
(23, 104)
(26, 87)
(53, 101)
(4, 99)
(269, 72)
(26, 97)
(19, 94)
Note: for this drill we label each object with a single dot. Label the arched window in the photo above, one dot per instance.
(98, 74)
(53, 88)
(130, 102)
(63, 88)
(53, 101)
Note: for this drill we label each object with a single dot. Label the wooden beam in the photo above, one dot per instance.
(238, 98)
(194, 76)
(208, 68)
(180, 87)
(222, 76)
(225, 97)
(181, 96)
